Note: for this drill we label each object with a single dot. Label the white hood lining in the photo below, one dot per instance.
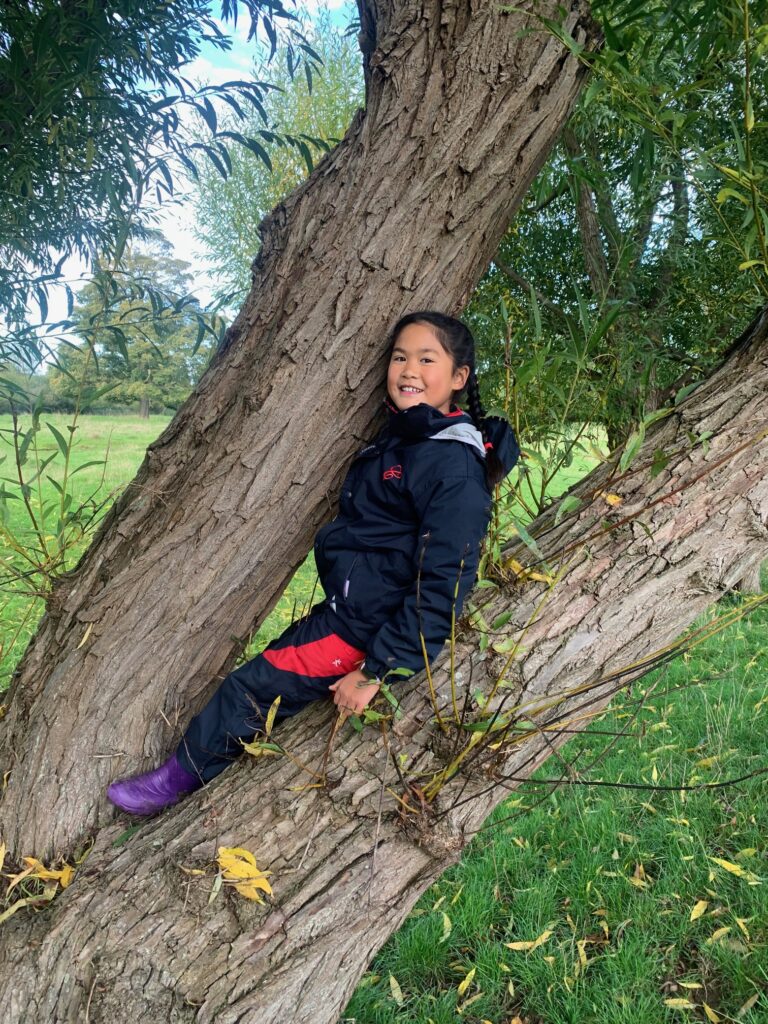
(467, 433)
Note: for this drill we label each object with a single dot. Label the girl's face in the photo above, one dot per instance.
(420, 370)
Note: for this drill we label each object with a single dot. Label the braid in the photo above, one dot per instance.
(494, 470)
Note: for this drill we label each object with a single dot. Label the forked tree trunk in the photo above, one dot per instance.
(404, 214)
(135, 938)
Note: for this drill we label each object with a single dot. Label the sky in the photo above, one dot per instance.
(212, 66)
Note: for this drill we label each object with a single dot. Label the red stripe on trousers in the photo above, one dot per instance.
(329, 656)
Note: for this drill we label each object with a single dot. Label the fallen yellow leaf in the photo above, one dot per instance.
(738, 870)
(468, 1002)
(239, 866)
(261, 749)
(397, 992)
(742, 923)
(735, 869)
(711, 1015)
(524, 573)
(85, 636)
(15, 879)
(699, 909)
(464, 985)
(28, 901)
(533, 944)
(611, 499)
(748, 1005)
(36, 869)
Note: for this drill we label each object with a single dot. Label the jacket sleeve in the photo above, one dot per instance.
(454, 514)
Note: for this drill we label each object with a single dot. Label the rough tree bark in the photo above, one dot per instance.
(134, 938)
(461, 111)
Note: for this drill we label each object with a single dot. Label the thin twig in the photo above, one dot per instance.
(378, 816)
(90, 996)
(309, 841)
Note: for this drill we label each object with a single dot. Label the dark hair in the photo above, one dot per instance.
(456, 338)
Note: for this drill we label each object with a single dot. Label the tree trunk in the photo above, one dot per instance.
(135, 937)
(404, 214)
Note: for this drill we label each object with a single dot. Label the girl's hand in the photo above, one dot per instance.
(353, 692)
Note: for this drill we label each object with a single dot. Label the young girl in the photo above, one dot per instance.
(414, 508)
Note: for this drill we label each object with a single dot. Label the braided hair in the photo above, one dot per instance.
(456, 338)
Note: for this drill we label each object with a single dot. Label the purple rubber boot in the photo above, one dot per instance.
(151, 792)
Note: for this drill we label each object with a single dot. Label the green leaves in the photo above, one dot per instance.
(635, 440)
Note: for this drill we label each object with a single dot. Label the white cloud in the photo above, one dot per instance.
(177, 225)
(202, 71)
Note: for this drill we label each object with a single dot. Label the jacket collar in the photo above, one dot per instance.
(422, 420)
(425, 421)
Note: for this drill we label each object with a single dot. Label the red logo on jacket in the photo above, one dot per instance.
(393, 473)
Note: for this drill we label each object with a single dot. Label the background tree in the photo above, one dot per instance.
(151, 358)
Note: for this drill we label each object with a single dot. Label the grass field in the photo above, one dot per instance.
(648, 905)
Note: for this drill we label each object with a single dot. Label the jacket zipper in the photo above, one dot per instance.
(345, 591)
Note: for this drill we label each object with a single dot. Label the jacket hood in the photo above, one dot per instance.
(424, 420)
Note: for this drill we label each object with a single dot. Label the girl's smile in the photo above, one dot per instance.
(420, 370)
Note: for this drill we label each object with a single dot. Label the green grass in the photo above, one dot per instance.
(562, 860)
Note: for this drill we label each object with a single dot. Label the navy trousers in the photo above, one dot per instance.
(299, 666)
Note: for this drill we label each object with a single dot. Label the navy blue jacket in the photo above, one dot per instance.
(414, 503)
